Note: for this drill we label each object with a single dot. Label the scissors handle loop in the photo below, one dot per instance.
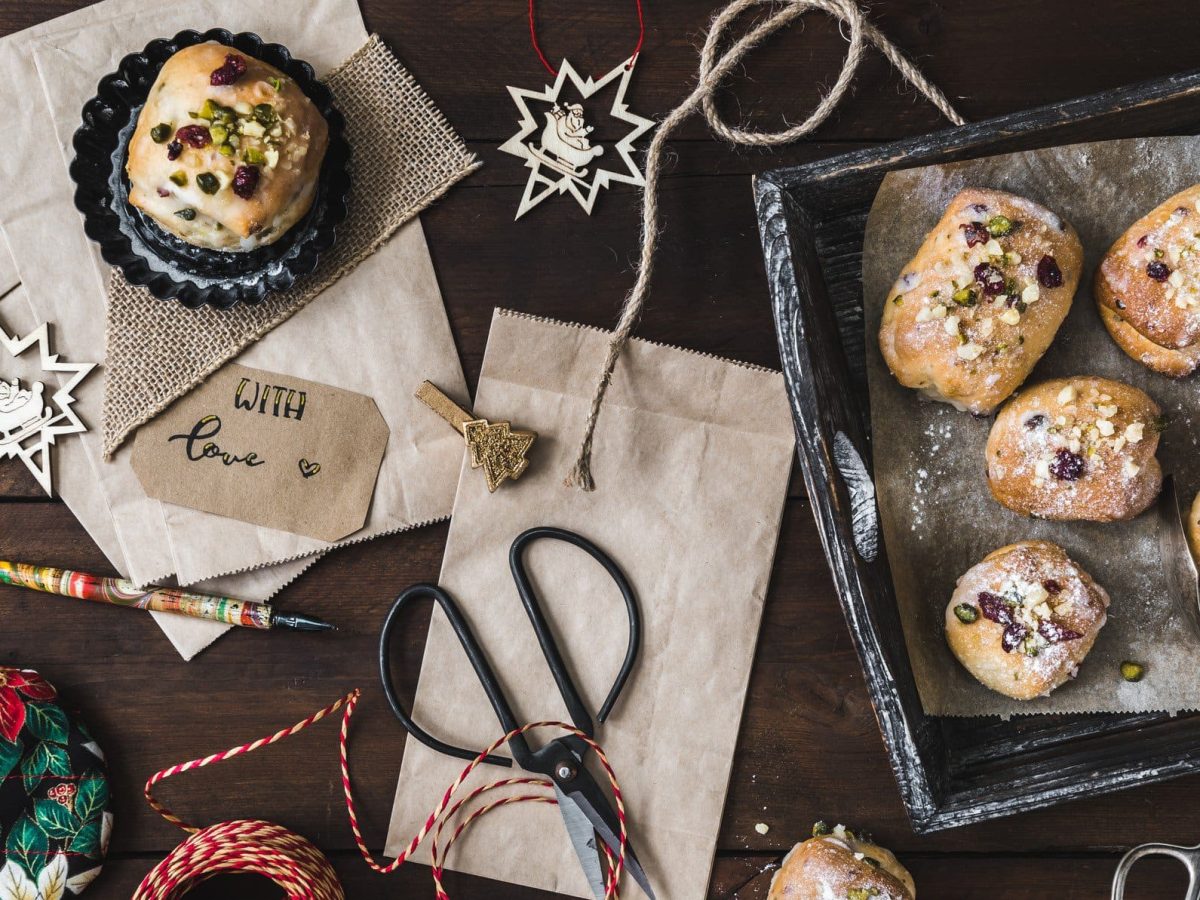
(474, 653)
(1189, 856)
(558, 668)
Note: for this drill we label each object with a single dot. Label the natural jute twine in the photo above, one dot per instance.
(714, 68)
(294, 864)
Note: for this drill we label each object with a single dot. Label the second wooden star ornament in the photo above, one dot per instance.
(496, 447)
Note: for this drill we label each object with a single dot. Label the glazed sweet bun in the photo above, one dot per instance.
(976, 308)
(1022, 620)
(227, 150)
(835, 863)
(1076, 448)
(1148, 287)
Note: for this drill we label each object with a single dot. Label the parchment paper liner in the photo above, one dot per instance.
(938, 516)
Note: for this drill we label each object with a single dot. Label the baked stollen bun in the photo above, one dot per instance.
(1148, 287)
(836, 863)
(975, 309)
(1023, 619)
(1076, 449)
(227, 150)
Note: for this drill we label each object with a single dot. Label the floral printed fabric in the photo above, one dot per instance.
(54, 816)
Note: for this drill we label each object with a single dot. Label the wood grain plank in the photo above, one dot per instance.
(734, 878)
(809, 747)
(466, 51)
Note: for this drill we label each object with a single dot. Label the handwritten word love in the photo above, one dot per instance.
(206, 428)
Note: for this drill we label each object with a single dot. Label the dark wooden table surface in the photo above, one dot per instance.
(809, 747)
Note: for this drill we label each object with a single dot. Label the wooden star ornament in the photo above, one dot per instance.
(35, 414)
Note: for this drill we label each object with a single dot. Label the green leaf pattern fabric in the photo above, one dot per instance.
(54, 795)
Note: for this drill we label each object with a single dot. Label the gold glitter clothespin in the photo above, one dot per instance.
(495, 447)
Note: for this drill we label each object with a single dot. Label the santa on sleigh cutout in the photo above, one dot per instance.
(565, 146)
(22, 411)
(554, 139)
(33, 418)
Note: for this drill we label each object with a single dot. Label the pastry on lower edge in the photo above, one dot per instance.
(975, 309)
(1192, 527)
(1023, 620)
(836, 863)
(1148, 287)
(1076, 448)
(227, 150)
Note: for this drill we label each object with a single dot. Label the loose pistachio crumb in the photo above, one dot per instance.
(1132, 671)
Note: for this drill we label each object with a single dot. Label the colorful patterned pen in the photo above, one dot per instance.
(119, 592)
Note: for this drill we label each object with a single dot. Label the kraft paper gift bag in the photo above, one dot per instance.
(692, 459)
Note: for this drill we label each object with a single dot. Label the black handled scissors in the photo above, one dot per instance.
(585, 809)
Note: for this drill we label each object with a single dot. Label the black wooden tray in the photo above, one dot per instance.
(812, 218)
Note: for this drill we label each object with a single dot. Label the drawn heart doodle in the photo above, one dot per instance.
(309, 469)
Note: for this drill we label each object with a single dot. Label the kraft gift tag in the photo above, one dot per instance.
(268, 449)
(692, 459)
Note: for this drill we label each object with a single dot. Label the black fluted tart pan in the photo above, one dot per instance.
(168, 266)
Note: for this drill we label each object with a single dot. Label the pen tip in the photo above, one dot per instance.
(298, 622)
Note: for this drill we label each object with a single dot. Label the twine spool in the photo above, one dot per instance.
(249, 846)
(714, 69)
(296, 865)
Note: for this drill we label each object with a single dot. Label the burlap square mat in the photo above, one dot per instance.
(404, 156)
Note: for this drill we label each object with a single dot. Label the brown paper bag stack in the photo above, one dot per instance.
(692, 458)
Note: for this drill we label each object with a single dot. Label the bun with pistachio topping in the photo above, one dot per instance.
(975, 309)
(835, 863)
(1148, 287)
(227, 150)
(1022, 620)
(1078, 448)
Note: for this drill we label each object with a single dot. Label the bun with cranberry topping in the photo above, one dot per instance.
(1076, 448)
(836, 863)
(227, 150)
(976, 308)
(1023, 620)
(1148, 287)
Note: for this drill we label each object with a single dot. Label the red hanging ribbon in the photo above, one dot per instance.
(553, 71)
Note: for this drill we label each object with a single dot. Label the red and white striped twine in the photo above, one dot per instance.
(294, 864)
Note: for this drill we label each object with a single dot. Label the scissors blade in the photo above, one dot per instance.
(590, 800)
(583, 839)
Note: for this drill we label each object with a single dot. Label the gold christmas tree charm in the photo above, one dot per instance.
(496, 448)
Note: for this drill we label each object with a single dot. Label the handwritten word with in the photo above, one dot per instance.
(283, 402)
